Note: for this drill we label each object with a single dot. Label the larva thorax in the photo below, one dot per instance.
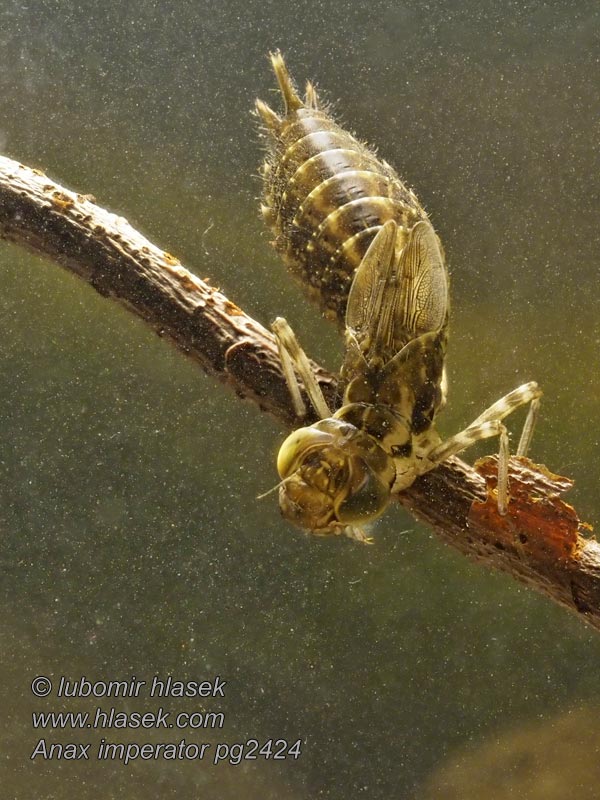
(325, 195)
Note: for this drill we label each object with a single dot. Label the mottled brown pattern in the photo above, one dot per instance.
(325, 196)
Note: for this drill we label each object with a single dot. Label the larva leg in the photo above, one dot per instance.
(293, 358)
(529, 426)
(490, 424)
(287, 366)
(527, 393)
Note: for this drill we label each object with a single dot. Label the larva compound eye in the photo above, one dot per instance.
(367, 502)
(298, 446)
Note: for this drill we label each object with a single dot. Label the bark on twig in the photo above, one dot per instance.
(541, 541)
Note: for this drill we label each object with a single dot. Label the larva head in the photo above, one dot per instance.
(333, 478)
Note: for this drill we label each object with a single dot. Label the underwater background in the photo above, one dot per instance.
(132, 542)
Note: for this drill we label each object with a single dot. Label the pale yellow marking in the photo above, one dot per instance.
(312, 198)
(384, 203)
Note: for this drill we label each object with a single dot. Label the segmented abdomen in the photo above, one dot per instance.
(325, 195)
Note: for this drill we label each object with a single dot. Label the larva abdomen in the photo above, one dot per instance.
(325, 195)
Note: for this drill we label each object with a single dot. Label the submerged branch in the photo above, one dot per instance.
(540, 542)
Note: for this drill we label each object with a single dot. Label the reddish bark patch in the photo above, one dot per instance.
(539, 526)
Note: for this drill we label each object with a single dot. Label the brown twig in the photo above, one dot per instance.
(539, 542)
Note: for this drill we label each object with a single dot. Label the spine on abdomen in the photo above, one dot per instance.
(325, 195)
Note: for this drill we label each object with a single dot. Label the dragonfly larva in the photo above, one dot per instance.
(362, 243)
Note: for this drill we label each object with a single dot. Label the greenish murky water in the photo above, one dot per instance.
(132, 543)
